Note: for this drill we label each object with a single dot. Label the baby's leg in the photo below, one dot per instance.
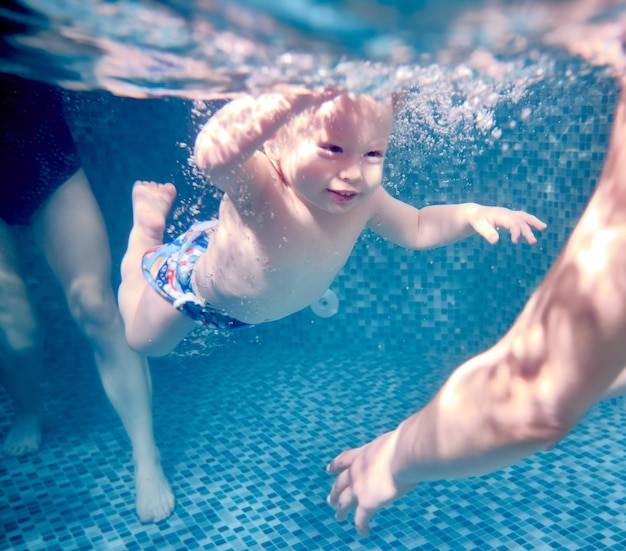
(151, 205)
(20, 356)
(153, 325)
(71, 231)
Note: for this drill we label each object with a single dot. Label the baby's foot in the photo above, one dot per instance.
(152, 203)
(155, 499)
(24, 437)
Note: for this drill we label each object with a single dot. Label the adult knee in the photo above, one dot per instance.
(92, 304)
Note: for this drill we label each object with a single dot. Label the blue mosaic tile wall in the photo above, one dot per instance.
(247, 424)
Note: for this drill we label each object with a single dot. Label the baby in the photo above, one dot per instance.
(301, 174)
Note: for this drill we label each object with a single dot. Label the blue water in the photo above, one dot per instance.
(501, 112)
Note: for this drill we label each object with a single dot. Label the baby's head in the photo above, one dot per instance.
(362, 114)
(332, 155)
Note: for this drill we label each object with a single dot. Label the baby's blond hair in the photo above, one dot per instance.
(318, 115)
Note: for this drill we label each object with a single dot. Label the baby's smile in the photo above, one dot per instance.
(342, 195)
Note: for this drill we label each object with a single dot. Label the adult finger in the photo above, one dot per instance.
(340, 484)
(343, 461)
(346, 502)
(362, 518)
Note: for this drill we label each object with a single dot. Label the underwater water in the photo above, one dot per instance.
(509, 103)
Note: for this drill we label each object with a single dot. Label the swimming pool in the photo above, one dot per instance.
(246, 424)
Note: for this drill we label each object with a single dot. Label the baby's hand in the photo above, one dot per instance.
(487, 220)
(302, 98)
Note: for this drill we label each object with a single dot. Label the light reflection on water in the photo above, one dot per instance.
(208, 48)
(459, 59)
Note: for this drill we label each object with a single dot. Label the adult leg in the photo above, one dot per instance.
(71, 231)
(20, 355)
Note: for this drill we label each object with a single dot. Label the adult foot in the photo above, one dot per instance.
(24, 437)
(155, 499)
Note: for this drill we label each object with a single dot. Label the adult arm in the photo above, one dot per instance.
(562, 354)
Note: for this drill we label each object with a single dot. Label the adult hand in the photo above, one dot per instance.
(365, 482)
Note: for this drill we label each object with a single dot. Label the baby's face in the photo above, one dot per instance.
(336, 162)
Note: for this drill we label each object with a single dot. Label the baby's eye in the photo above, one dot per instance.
(331, 148)
(374, 154)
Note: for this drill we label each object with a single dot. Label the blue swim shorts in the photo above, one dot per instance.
(168, 269)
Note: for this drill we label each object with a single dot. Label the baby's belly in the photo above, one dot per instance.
(257, 296)
(271, 305)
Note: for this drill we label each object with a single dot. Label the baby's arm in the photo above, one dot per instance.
(439, 225)
(227, 144)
